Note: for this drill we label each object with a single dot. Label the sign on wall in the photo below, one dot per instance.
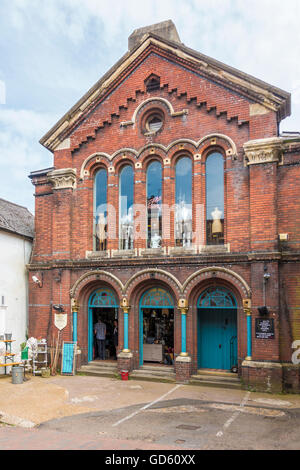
(60, 320)
(264, 328)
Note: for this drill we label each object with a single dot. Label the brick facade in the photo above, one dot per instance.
(203, 112)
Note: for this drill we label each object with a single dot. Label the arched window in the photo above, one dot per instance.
(152, 83)
(214, 177)
(126, 208)
(183, 201)
(100, 210)
(154, 201)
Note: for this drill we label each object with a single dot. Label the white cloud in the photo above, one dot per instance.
(20, 152)
(2, 92)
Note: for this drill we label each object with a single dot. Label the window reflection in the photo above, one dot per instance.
(100, 211)
(126, 208)
(183, 201)
(154, 201)
(215, 199)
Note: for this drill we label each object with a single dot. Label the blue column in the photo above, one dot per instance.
(183, 331)
(249, 336)
(75, 320)
(126, 331)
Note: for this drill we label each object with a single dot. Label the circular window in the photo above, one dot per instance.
(153, 122)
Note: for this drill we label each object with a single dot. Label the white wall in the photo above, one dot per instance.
(14, 255)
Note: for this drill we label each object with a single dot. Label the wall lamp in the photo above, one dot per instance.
(37, 281)
(263, 311)
(58, 308)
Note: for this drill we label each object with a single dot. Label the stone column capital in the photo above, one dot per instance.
(263, 151)
(64, 178)
(125, 305)
(74, 305)
(183, 306)
(183, 310)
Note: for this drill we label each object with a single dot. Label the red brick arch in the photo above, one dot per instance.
(153, 275)
(91, 162)
(90, 278)
(219, 274)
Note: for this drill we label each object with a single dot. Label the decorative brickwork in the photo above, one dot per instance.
(205, 107)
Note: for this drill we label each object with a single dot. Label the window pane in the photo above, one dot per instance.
(100, 210)
(183, 201)
(126, 208)
(215, 199)
(154, 201)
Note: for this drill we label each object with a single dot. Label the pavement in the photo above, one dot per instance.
(83, 412)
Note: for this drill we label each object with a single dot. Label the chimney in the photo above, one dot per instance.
(165, 29)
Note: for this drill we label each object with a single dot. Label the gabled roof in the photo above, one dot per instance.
(270, 97)
(16, 219)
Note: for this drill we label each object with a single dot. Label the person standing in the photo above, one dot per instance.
(100, 332)
(116, 337)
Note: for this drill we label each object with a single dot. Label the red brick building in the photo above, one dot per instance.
(173, 206)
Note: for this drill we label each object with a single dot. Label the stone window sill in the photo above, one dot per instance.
(214, 249)
(181, 250)
(97, 254)
(124, 253)
(152, 251)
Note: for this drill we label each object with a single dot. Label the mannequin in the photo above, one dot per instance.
(155, 241)
(101, 231)
(217, 226)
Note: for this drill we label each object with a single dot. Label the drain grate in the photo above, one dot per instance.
(187, 427)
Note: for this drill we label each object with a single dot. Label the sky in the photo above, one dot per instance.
(53, 51)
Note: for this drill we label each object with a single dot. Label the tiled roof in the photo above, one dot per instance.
(16, 219)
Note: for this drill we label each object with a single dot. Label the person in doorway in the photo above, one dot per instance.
(116, 337)
(100, 332)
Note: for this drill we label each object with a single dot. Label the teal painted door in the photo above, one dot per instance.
(217, 332)
(90, 335)
(141, 337)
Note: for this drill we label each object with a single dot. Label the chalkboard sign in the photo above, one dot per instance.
(68, 359)
(264, 328)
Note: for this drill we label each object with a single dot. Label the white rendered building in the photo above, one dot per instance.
(16, 238)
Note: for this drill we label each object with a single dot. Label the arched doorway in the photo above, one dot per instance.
(156, 331)
(217, 329)
(102, 304)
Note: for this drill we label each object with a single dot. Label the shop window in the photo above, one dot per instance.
(183, 202)
(157, 327)
(154, 202)
(100, 210)
(126, 208)
(215, 199)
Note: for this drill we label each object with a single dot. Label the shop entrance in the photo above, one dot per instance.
(217, 329)
(156, 327)
(103, 305)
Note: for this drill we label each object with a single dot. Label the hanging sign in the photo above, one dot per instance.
(60, 320)
(264, 328)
